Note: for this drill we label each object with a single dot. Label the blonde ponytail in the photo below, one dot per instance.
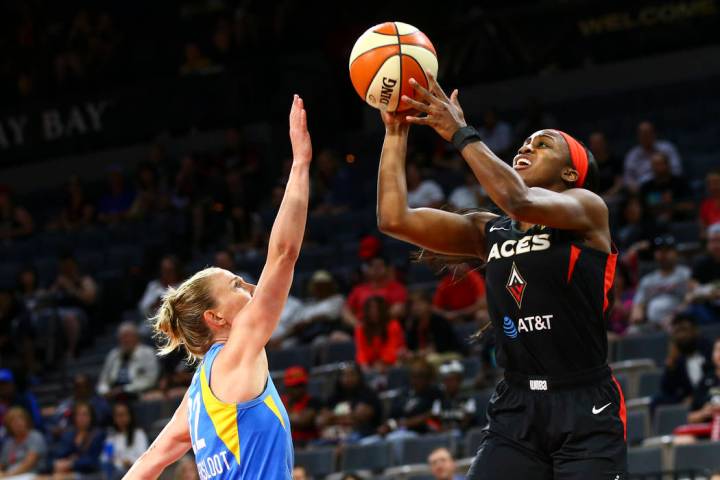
(179, 320)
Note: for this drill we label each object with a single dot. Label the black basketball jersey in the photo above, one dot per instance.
(547, 296)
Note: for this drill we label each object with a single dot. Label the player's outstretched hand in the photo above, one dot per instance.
(442, 113)
(394, 121)
(299, 135)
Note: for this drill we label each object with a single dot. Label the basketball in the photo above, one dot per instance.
(385, 58)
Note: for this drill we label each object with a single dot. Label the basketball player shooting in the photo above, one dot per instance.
(232, 415)
(558, 413)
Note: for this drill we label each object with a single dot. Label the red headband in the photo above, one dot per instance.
(578, 156)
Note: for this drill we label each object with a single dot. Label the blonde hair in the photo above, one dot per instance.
(179, 320)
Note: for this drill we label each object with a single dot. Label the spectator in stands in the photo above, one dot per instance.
(24, 450)
(186, 469)
(427, 333)
(638, 161)
(495, 133)
(379, 281)
(710, 206)
(15, 221)
(662, 291)
(187, 183)
(460, 295)
(535, 117)
(411, 410)
(636, 229)
(281, 336)
(609, 179)
(689, 356)
(422, 192)
(83, 392)
(171, 275)
(115, 204)
(379, 338)
(78, 451)
(77, 211)
(623, 294)
(704, 294)
(175, 377)
(300, 473)
(333, 188)
(77, 296)
(302, 408)
(706, 397)
(353, 410)
(352, 476)
(455, 411)
(470, 195)
(666, 196)
(196, 62)
(127, 439)
(150, 198)
(17, 344)
(12, 396)
(442, 465)
(320, 317)
(130, 368)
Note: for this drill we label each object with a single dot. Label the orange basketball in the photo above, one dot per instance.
(384, 59)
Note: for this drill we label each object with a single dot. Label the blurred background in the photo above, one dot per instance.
(141, 143)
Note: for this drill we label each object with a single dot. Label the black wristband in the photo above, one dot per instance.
(464, 136)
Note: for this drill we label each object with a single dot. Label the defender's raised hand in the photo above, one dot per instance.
(442, 113)
(299, 135)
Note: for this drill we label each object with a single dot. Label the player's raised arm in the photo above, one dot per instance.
(170, 445)
(437, 230)
(553, 205)
(261, 315)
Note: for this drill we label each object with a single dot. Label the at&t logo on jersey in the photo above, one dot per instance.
(516, 285)
(510, 248)
(529, 324)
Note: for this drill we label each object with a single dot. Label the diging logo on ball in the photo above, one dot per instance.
(387, 88)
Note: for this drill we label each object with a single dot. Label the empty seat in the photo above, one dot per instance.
(375, 456)
(668, 417)
(288, 357)
(398, 377)
(649, 384)
(148, 412)
(417, 449)
(697, 457)
(337, 352)
(652, 346)
(318, 462)
(644, 460)
(637, 425)
(472, 441)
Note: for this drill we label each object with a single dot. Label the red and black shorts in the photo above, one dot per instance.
(546, 428)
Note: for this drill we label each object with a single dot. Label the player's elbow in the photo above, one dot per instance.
(391, 224)
(284, 252)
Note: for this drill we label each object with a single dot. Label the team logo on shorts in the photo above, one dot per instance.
(516, 285)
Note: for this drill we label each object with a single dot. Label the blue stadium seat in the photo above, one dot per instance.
(336, 352)
(649, 384)
(288, 357)
(148, 412)
(646, 460)
(375, 456)
(417, 449)
(637, 424)
(473, 438)
(699, 457)
(398, 377)
(653, 346)
(668, 417)
(318, 462)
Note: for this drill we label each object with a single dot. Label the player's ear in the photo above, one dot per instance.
(569, 175)
(212, 319)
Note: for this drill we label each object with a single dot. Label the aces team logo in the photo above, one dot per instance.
(516, 285)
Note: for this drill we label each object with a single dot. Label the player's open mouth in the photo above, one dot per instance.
(521, 163)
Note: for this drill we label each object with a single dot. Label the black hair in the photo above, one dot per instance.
(129, 435)
(377, 329)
